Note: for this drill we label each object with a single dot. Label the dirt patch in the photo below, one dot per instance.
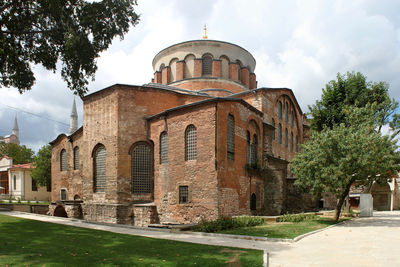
(234, 261)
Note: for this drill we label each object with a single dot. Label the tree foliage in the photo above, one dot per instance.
(351, 89)
(42, 170)
(19, 154)
(45, 31)
(350, 152)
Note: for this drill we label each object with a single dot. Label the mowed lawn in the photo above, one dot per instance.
(283, 229)
(32, 243)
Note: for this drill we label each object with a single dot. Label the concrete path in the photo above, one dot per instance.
(363, 242)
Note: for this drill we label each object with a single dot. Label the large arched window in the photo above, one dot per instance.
(279, 133)
(248, 147)
(164, 147)
(63, 160)
(253, 150)
(76, 158)
(99, 168)
(286, 111)
(292, 119)
(280, 110)
(206, 68)
(231, 137)
(190, 143)
(142, 169)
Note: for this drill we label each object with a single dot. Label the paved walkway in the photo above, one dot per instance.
(363, 242)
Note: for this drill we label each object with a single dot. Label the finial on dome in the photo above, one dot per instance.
(205, 32)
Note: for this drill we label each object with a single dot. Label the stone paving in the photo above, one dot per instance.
(363, 242)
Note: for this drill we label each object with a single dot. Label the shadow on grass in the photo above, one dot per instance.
(27, 242)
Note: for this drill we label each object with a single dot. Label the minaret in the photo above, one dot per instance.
(15, 129)
(73, 123)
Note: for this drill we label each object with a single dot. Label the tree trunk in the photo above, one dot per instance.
(341, 201)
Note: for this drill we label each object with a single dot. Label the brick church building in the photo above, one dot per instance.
(198, 142)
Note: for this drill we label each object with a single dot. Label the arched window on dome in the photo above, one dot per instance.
(240, 66)
(206, 68)
(286, 111)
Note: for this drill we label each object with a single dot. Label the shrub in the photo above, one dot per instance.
(297, 217)
(224, 223)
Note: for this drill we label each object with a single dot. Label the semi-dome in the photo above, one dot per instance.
(217, 66)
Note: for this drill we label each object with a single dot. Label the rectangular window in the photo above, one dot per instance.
(63, 194)
(183, 194)
(34, 185)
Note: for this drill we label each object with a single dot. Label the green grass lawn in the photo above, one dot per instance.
(32, 243)
(282, 229)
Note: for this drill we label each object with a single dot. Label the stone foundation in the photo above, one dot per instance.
(145, 214)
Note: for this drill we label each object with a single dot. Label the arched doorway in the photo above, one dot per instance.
(253, 202)
(381, 195)
(60, 212)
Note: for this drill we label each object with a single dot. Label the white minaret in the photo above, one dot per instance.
(73, 123)
(15, 129)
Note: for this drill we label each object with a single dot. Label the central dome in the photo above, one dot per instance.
(206, 65)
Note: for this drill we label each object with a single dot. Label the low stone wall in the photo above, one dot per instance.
(298, 201)
(108, 213)
(31, 208)
(145, 214)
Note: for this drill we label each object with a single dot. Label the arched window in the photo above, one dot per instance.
(231, 137)
(206, 68)
(99, 168)
(292, 119)
(297, 143)
(63, 160)
(291, 142)
(76, 158)
(190, 143)
(142, 169)
(253, 202)
(253, 150)
(248, 147)
(273, 133)
(279, 133)
(286, 138)
(286, 111)
(280, 110)
(163, 147)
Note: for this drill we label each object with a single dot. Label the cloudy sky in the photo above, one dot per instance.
(300, 44)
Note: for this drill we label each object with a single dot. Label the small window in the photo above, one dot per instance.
(76, 158)
(63, 160)
(190, 143)
(280, 110)
(183, 194)
(163, 147)
(279, 133)
(207, 65)
(231, 137)
(63, 194)
(15, 182)
(34, 185)
(286, 112)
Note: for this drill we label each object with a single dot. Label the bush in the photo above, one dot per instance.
(225, 223)
(297, 217)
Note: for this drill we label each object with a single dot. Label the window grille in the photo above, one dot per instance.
(286, 111)
(63, 194)
(279, 133)
(100, 169)
(248, 148)
(280, 110)
(34, 185)
(286, 138)
(183, 194)
(63, 160)
(76, 158)
(163, 147)
(142, 169)
(253, 151)
(231, 137)
(207, 65)
(191, 143)
(273, 133)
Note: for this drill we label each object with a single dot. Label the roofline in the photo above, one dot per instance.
(272, 89)
(80, 129)
(202, 40)
(206, 101)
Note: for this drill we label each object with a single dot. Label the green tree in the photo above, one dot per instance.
(351, 89)
(42, 166)
(351, 152)
(45, 31)
(19, 154)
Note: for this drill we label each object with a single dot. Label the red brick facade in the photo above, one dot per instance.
(251, 180)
